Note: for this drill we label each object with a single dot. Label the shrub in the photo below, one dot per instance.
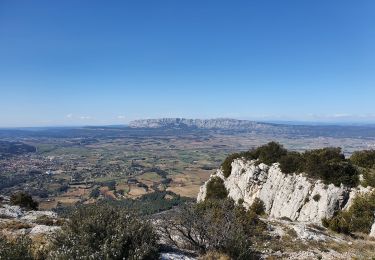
(359, 217)
(291, 162)
(151, 203)
(368, 177)
(328, 164)
(339, 223)
(257, 207)
(214, 225)
(111, 185)
(23, 200)
(270, 153)
(343, 172)
(226, 166)
(19, 248)
(362, 213)
(364, 159)
(216, 189)
(63, 188)
(104, 232)
(95, 193)
(316, 197)
(14, 225)
(49, 221)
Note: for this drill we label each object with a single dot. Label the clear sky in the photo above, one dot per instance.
(107, 62)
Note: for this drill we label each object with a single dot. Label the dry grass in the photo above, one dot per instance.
(186, 191)
(48, 221)
(14, 225)
(136, 191)
(215, 256)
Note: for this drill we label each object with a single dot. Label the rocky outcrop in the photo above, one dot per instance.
(292, 196)
(14, 220)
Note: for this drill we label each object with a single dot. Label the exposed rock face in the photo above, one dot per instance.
(292, 196)
(15, 214)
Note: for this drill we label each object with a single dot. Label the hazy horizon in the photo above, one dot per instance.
(74, 63)
(281, 122)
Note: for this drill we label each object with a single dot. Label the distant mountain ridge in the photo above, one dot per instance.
(235, 125)
(219, 123)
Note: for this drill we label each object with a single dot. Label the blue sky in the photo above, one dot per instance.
(108, 62)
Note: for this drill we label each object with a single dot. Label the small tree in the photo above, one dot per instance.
(364, 159)
(23, 200)
(214, 225)
(216, 189)
(258, 207)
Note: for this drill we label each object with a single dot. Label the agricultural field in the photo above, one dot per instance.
(84, 165)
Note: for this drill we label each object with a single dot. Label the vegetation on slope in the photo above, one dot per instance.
(215, 226)
(15, 148)
(365, 159)
(23, 200)
(147, 204)
(358, 218)
(17, 248)
(105, 232)
(216, 189)
(327, 164)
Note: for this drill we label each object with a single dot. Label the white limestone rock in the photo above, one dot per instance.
(8, 211)
(175, 256)
(372, 232)
(292, 196)
(31, 216)
(43, 229)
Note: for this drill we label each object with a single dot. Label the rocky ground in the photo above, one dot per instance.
(303, 240)
(16, 221)
(287, 239)
(298, 240)
(294, 206)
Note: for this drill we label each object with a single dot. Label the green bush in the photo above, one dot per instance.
(270, 153)
(147, 204)
(216, 189)
(364, 159)
(258, 207)
(19, 248)
(340, 223)
(330, 165)
(359, 217)
(327, 164)
(226, 166)
(368, 177)
(291, 162)
(104, 232)
(316, 197)
(23, 200)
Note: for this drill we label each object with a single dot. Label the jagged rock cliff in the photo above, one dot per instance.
(292, 196)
